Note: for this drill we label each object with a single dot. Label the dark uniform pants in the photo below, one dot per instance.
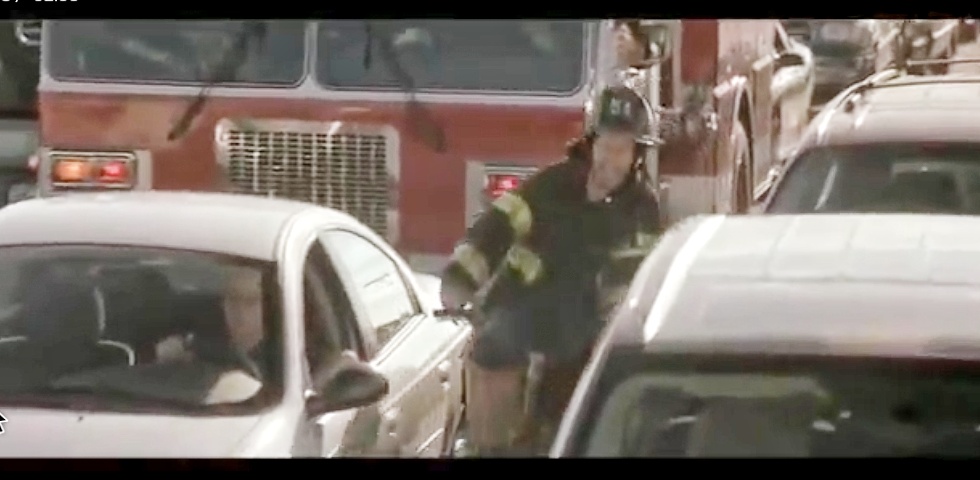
(563, 331)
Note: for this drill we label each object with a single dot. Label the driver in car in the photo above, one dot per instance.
(243, 318)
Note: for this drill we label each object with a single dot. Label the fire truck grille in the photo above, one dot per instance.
(343, 171)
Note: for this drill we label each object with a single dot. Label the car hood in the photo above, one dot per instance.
(54, 433)
(430, 286)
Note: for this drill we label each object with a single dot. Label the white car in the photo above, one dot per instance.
(154, 324)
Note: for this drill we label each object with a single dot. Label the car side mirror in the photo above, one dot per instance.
(788, 60)
(349, 383)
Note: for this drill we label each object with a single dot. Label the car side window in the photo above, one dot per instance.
(328, 320)
(377, 282)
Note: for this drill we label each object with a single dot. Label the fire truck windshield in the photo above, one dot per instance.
(18, 75)
(470, 55)
(185, 52)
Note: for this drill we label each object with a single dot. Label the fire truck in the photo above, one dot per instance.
(412, 126)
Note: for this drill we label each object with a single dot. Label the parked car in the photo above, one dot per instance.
(214, 325)
(790, 336)
(845, 51)
(930, 40)
(893, 143)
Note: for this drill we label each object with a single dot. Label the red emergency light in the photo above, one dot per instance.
(92, 171)
(114, 172)
(500, 183)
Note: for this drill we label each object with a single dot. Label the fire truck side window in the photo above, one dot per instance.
(469, 55)
(19, 72)
(179, 51)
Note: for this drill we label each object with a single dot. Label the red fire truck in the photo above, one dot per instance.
(409, 125)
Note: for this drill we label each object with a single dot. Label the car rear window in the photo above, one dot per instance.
(915, 178)
(745, 406)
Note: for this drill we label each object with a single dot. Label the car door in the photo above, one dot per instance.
(421, 355)
(329, 327)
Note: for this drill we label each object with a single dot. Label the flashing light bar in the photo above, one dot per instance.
(93, 171)
(500, 183)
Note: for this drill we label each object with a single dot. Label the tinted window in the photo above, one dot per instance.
(19, 72)
(752, 407)
(182, 51)
(882, 178)
(377, 281)
(112, 325)
(496, 55)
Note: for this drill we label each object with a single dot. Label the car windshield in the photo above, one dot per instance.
(182, 51)
(923, 178)
(791, 407)
(835, 49)
(118, 328)
(472, 55)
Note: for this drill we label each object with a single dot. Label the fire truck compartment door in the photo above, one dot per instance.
(762, 73)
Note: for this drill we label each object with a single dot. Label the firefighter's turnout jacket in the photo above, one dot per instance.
(545, 244)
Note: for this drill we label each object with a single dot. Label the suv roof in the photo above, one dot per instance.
(720, 282)
(895, 107)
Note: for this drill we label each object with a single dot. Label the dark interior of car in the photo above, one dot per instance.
(855, 416)
(69, 321)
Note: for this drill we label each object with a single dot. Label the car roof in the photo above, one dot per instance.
(240, 225)
(899, 283)
(907, 108)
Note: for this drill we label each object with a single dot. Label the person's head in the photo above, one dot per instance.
(243, 306)
(620, 133)
(632, 45)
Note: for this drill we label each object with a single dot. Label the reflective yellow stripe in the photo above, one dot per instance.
(525, 262)
(643, 243)
(473, 263)
(646, 240)
(626, 253)
(518, 213)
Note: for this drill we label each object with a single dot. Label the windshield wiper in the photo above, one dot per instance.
(226, 70)
(424, 127)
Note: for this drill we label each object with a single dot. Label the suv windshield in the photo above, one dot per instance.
(478, 55)
(924, 178)
(795, 407)
(184, 51)
(122, 328)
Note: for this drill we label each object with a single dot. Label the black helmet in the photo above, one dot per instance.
(620, 109)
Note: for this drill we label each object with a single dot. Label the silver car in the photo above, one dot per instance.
(791, 336)
(160, 324)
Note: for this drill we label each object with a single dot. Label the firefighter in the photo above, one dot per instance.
(529, 265)
(632, 44)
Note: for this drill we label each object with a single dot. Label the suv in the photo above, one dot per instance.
(892, 143)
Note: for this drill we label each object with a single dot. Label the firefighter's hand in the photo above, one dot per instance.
(455, 296)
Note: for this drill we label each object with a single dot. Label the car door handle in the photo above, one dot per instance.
(444, 370)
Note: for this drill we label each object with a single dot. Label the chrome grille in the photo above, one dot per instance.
(345, 171)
